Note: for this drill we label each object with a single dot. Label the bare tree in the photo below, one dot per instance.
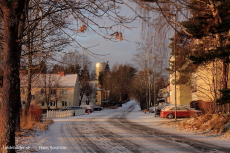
(85, 89)
(139, 88)
(50, 89)
(76, 59)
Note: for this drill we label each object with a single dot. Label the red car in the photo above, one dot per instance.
(182, 111)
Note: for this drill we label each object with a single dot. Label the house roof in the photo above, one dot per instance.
(51, 80)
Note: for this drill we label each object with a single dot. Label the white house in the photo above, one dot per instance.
(52, 90)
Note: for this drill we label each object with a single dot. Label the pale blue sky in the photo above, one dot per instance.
(116, 52)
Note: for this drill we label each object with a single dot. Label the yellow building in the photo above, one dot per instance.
(204, 84)
(52, 90)
(182, 94)
(207, 82)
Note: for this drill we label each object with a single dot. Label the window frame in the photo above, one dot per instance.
(53, 91)
(63, 91)
(64, 103)
(52, 103)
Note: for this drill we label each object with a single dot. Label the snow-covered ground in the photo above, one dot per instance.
(59, 139)
(151, 121)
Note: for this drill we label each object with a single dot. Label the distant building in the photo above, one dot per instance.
(164, 95)
(52, 90)
(101, 96)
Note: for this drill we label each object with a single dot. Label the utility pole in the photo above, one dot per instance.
(148, 93)
(149, 82)
(175, 67)
(154, 83)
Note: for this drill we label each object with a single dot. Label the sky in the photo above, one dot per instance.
(115, 52)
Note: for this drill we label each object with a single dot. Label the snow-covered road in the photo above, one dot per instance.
(126, 129)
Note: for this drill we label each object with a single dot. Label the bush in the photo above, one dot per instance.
(215, 123)
(34, 116)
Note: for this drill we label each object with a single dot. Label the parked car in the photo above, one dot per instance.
(182, 111)
(88, 107)
(151, 109)
(159, 108)
(97, 108)
(71, 108)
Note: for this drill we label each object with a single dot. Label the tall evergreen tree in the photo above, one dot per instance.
(84, 76)
(210, 24)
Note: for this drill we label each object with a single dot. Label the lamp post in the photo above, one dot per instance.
(175, 81)
(149, 82)
(175, 98)
(154, 84)
(148, 93)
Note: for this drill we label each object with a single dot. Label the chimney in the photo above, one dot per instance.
(62, 73)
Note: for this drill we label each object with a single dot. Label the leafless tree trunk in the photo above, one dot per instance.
(11, 63)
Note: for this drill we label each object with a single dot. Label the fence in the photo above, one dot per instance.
(61, 114)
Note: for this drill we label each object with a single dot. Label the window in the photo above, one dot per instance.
(64, 103)
(182, 108)
(53, 91)
(42, 103)
(42, 91)
(63, 92)
(52, 103)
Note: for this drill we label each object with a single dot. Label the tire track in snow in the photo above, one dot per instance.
(85, 143)
(106, 140)
(67, 139)
(91, 136)
(139, 131)
(197, 145)
(116, 138)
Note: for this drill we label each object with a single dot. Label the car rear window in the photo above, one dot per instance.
(178, 108)
(182, 108)
(166, 107)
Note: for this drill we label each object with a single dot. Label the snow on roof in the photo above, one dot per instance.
(51, 80)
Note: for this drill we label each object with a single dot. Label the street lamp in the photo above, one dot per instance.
(154, 85)
(148, 94)
(149, 82)
(175, 66)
